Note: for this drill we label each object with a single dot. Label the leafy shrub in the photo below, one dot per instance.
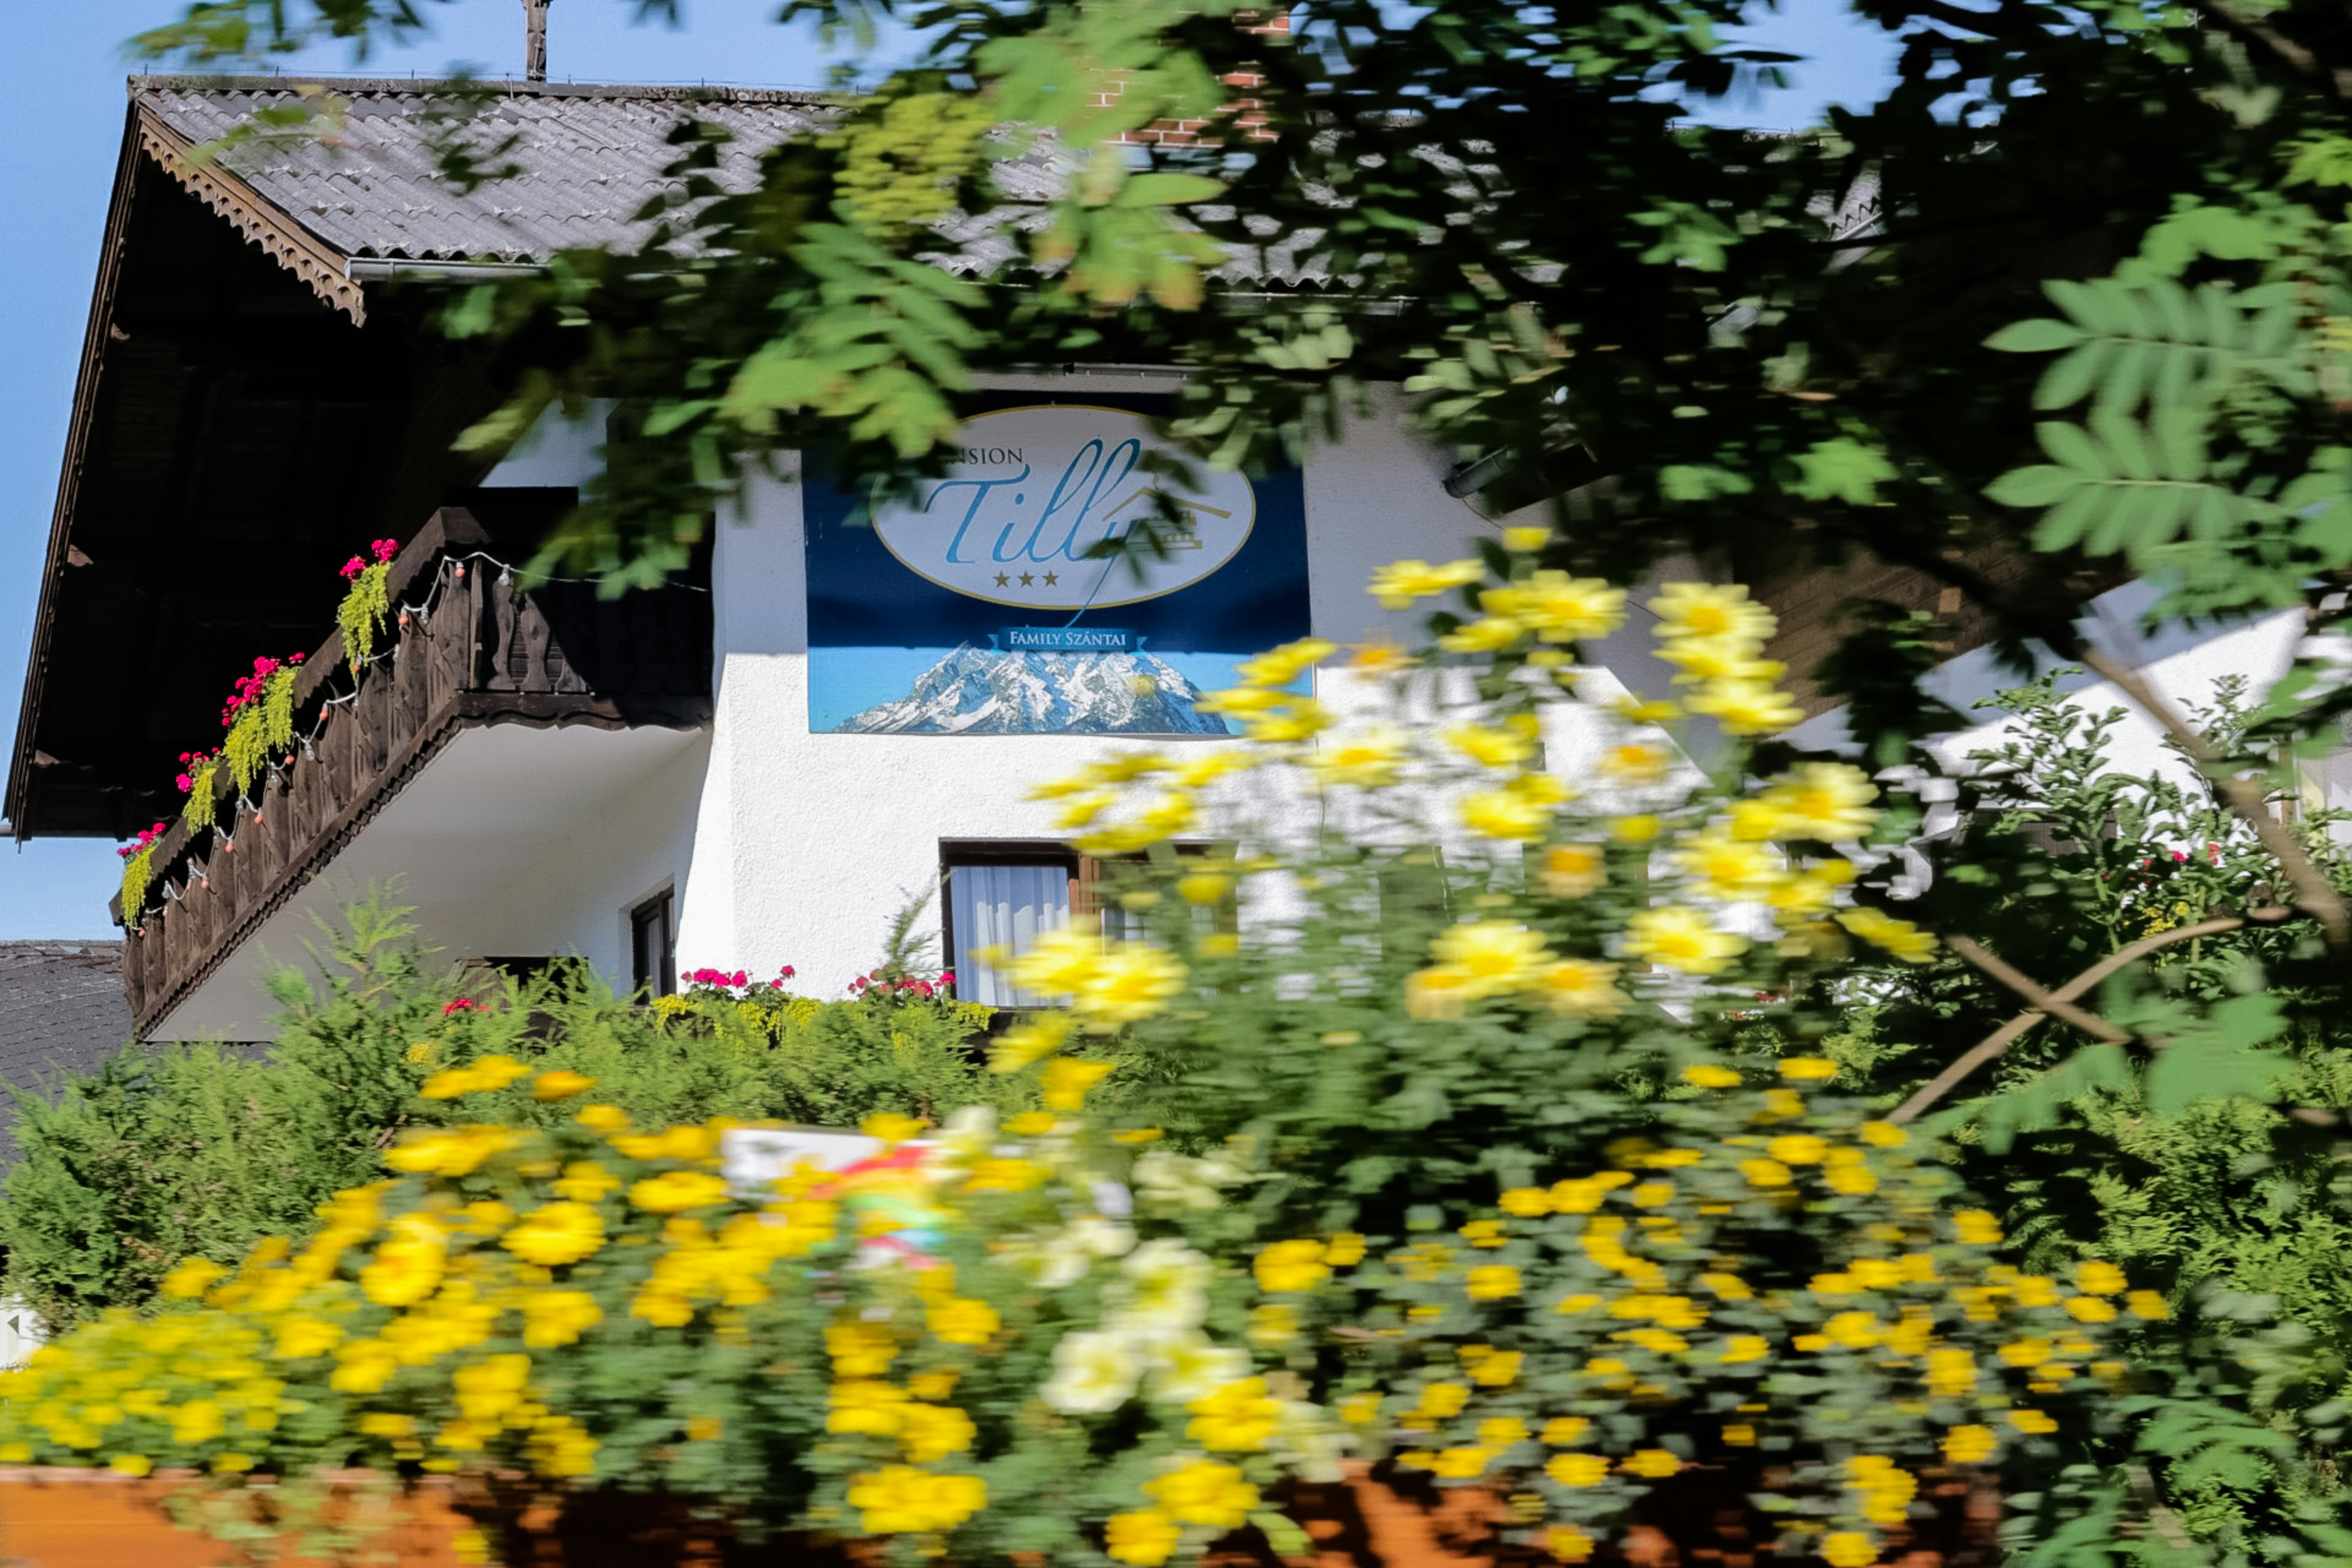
(196, 1151)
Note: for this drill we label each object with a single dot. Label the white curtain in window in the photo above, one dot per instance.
(1006, 907)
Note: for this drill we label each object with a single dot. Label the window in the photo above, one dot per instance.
(653, 945)
(1002, 895)
(1005, 894)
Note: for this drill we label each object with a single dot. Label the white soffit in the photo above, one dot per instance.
(453, 845)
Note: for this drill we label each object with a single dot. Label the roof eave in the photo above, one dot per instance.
(94, 337)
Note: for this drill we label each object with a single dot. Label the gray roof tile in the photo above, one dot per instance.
(62, 1010)
(590, 157)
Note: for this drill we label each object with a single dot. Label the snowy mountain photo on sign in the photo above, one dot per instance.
(982, 692)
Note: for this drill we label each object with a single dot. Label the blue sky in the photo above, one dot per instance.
(61, 120)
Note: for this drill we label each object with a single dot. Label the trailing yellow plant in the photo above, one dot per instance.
(367, 603)
(260, 719)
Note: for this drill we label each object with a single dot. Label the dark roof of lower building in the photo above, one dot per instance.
(62, 1011)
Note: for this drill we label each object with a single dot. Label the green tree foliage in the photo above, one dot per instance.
(196, 1151)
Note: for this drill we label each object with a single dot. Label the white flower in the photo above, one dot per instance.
(1101, 1237)
(1164, 1288)
(1092, 1373)
(971, 1134)
(1186, 1367)
(1172, 1181)
(1315, 1443)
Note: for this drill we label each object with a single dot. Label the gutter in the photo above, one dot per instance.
(375, 269)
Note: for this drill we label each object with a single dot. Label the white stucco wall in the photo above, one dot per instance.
(806, 844)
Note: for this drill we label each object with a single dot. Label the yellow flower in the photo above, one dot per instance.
(1830, 802)
(605, 1118)
(452, 1151)
(1969, 1445)
(1131, 981)
(674, 1192)
(1975, 1228)
(1706, 1076)
(1765, 1173)
(1505, 814)
(2099, 1277)
(1578, 1470)
(1238, 1417)
(1568, 1543)
(1397, 585)
(1884, 1134)
(704, 1428)
(1504, 746)
(1728, 868)
(1344, 1250)
(1496, 955)
(860, 1350)
(1797, 1148)
(1651, 1462)
(1368, 760)
(191, 1278)
(1500, 1432)
(561, 1084)
(930, 1433)
(1361, 1409)
(1281, 666)
(1066, 1081)
(1380, 659)
(1290, 1266)
(1573, 870)
(1808, 1070)
(1493, 1282)
(1848, 1549)
(1746, 707)
(1496, 1368)
(960, 1320)
(2090, 1310)
(899, 1499)
(300, 1338)
(2147, 1304)
(1900, 938)
(1022, 1044)
(1489, 634)
(553, 1318)
(1950, 1372)
(1444, 1400)
(1559, 607)
(865, 1405)
(1142, 1539)
(1527, 1202)
(1562, 1430)
(1579, 988)
(1741, 1348)
(1204, 1492)
(1682, 939)
(407, 1266)
(556, 1234)
(2031, 1420)
(1461, 1464)
(1706, 610)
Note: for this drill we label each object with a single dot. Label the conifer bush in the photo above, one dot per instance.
(1503, 1147)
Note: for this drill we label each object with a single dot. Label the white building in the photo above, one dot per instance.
(754, 767)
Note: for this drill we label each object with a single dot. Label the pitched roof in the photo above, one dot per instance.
(62, 1010)
(590, 157)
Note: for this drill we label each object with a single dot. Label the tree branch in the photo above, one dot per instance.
(2315, 895)
(2000, 1040)
(2301, 59)
(2091, 1024)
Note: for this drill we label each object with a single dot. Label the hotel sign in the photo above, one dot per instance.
(996, 599)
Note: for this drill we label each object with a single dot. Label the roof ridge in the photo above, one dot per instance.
(506, 87)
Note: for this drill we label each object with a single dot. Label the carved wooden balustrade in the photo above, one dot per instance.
(480, 652)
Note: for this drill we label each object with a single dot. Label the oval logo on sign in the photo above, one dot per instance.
(1035, 490)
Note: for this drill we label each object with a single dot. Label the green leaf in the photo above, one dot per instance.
(2041, 484)
(2066, 380)
(2038, 336)
(1165, 190)
(1844, 470)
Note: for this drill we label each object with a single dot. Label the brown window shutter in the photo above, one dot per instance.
(1085, 894)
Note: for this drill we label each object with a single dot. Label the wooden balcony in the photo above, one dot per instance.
(479, 654)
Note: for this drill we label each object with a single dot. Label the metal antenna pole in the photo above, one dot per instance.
(534, 63)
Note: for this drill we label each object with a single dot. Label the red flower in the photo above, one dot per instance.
(785, 972)
(353, 567)
(740, 979)
(462, 1004)
(947, 977)
(385, 548)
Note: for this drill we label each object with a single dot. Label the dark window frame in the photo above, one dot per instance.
(651, 975)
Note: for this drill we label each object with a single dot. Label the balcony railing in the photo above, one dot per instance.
(479, 653)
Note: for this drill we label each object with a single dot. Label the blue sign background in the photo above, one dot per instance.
(893, 652)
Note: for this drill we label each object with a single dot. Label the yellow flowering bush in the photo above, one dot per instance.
(1494, 1144)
